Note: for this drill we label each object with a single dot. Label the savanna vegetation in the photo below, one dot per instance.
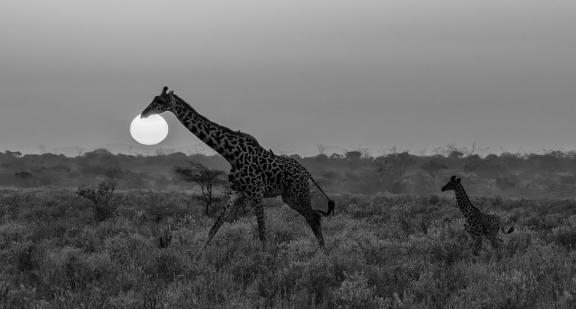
(94, 247)
(550, 174)
(119, 231)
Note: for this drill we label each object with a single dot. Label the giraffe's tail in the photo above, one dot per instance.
(331, 206)
(510, 230)
(331, 203)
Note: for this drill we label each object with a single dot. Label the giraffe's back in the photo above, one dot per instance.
(287, 174)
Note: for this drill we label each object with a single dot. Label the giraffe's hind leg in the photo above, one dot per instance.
(316, 224)
(302, 204)
(492, 233)
(493, 236)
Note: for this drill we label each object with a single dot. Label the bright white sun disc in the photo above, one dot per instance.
(150, 130)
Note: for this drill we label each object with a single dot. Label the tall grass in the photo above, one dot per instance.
(382, 252)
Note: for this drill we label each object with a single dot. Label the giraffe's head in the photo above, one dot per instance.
(452, 184)
(161, 103)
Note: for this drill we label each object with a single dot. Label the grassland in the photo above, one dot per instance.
(383, 252)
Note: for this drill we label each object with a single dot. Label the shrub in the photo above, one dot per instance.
(355, 292)
(164, 264)
(70, 269)
(129, 250)
(13, 232)
(101, 198)
(27, 255)
(564, 236)
(163, 236)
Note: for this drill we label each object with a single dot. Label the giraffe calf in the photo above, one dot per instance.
(479, 225)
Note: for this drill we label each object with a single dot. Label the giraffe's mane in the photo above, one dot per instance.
(468, 198)
(219, 126)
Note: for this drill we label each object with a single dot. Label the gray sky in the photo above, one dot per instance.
(415, 74)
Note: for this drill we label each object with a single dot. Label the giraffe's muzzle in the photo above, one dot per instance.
(147, 112)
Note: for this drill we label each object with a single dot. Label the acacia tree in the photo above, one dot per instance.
(206, 178)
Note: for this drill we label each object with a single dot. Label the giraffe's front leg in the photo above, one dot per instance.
(477, 246)
(469, 233)
(493, 235)
(476, 238)
(494, 242)
(260, 218)
(234, 200)
(254, 193)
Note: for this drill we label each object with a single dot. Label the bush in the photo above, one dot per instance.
(27, 255)
(13, 232)
(564, 236)
(101, 198)
(70, 269)
(164, 264)
(354, 292)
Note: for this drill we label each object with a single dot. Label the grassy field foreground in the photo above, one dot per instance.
(383, 252)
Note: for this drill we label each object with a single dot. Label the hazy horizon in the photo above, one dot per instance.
(202, 149)
(414, 75)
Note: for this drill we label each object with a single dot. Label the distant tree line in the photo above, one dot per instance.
(550, 174)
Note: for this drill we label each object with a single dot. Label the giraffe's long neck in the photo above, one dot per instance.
(230, 144)
(464, 203)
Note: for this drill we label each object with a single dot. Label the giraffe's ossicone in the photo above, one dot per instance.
(256, 172)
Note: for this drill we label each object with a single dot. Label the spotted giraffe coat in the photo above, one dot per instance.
(256, 172)
(478, 224)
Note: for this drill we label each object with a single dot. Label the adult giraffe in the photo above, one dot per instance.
(256, 172)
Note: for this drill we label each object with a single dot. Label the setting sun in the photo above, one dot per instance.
(149, 131)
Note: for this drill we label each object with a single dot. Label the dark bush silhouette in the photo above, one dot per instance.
(101, 197)
(548, 174)
(23, 175)
(206, 178)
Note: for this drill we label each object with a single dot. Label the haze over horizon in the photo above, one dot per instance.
(410, 74)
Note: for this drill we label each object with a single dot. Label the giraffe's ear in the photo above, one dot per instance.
(171, 92)
(453, 178)
(164, 90)
(458, 180)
